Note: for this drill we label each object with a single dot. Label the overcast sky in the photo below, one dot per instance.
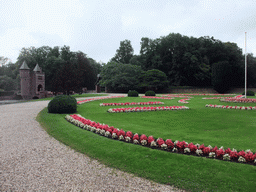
(96, 27)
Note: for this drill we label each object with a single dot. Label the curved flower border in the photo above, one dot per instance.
(230, 107)
(133, 103)
(168, 145)
(183, 100)
(96, 98)
(153, 97)
(239, 100)
(149, 108)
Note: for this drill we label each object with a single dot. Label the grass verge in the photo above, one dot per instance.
(230, 128)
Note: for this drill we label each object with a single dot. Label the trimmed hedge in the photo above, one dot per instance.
(150, 93)
(133, 93)
(62, 104)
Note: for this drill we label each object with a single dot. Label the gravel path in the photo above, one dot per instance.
(31, 160)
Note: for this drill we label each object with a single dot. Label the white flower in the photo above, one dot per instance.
(114, 136)
(135, 141)
(186, 150)
(212, 154)
(199, 152)
(210, 146)
(241, 159)
(93, 129)
(153, 144)
(97, 131)
(128, 139)
(197, 145)
(107, 134)
(234, 150)
(226, 157)
(144, 142)
(164, 146)
(248, 151)
(121, 138)
(102, 132)
(176, 142)
(254, 161)
(174, 149)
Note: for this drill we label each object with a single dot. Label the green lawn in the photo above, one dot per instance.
(222, 127)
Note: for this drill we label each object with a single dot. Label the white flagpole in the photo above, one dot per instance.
(245, 59)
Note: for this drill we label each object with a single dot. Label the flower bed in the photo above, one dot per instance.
(167, 145)
(199, 94)
(153, 97)
(239, 100)
(133, 103)
(97, 98)
(149, 108)
(183, 101)
(230, 107)
(217, 97)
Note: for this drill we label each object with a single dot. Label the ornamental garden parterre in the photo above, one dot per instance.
(182, 147)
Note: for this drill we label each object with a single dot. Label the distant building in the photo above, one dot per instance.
(32, 82)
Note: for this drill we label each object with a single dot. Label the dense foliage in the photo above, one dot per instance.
(249, 93)
(133, 93)
(190, 61)
(62, 104)
(150, 93)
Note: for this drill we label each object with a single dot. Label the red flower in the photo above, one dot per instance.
(219, 153)
(214, 149)
(150, 139)
(160, 142)
(128, 134)
(115, 131)
(192, 147)
(241, 153)
(181, 145)
(169, 143)
(228, 150)
(233, 155)
(206, 150)
(143, 137)
(121, 132)
(202, 147)
(249, 157)
(136, 136)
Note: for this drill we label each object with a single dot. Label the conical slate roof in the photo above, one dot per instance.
(24, 65)
(37, 68)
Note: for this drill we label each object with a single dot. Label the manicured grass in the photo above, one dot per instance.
(221, 127)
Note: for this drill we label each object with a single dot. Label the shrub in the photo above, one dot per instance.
(62, 104)
(150, 93)
(249, 93)
(133, 93)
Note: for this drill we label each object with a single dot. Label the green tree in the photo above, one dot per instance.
(7, 83)
(221, 73)
(124, 53)
(154, 80)
(120, 77)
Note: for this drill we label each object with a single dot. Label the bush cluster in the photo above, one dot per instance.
(62, 104)
(150, 93)
(133, 93)
(249, 93)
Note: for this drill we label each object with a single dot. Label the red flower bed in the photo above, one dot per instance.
(153, 97)
(133, 103)
(149, 108)
(97, 98)
(178, 146)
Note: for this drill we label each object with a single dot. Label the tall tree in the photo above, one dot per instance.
(124, 53)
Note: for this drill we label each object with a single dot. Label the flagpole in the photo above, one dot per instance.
(245, 59)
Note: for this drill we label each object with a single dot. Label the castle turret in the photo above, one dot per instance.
(25, 81)
(38, 81)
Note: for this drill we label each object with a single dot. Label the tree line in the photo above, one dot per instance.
(186, 61)
(64, 70)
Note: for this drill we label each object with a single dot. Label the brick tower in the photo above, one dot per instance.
(25, 81)
(32, 82)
